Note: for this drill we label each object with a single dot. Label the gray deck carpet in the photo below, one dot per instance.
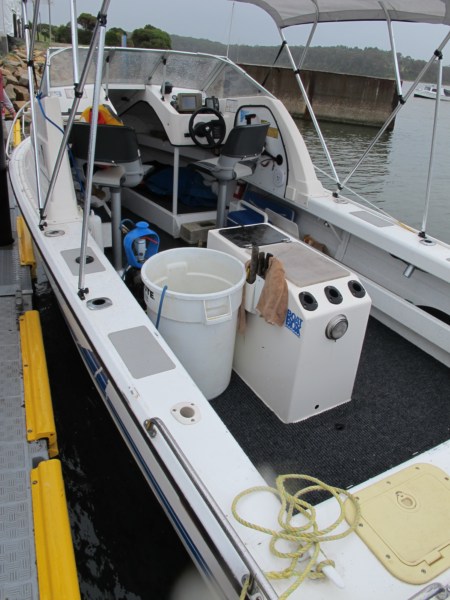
(400, 407)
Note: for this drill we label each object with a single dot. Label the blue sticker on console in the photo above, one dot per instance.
(293, 322)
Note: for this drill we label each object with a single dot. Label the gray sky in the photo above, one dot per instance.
(210, 19)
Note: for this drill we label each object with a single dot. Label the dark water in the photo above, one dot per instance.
(125, 548)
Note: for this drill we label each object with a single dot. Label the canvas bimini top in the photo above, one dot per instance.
(286, 13)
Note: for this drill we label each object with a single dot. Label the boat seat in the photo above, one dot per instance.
(115, 145)
(118, 157)
(237, 160)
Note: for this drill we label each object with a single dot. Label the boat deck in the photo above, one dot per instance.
(399, 409)
(396, 412)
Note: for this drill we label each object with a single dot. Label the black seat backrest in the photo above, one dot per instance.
(245, 141)
(115, 144)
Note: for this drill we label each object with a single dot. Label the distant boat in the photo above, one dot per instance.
(430, 91)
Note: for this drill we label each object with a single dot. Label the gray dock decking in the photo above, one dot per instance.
(18, 575)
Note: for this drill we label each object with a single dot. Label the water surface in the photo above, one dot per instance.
(394, 175)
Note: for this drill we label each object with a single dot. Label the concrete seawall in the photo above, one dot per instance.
(335, 97)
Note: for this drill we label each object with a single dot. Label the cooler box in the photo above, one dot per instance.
(308, 365)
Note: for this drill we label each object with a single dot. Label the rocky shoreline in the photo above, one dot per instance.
(15, 75)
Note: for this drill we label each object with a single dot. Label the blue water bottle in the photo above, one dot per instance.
(140, 243)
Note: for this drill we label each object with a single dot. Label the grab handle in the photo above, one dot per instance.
(156, 427)
(217, 310)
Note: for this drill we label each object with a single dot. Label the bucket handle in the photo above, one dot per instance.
(217, 311)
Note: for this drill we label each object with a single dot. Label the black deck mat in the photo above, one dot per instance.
(400, 407)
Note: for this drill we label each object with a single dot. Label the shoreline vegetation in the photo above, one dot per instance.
(371, 62)
(333, 59)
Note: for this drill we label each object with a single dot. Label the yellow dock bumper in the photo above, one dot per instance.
(17, 134)
(57, 573)
(38, 404)
(26, 252)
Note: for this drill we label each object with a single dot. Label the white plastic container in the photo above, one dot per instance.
(95, 228)
(198, 310)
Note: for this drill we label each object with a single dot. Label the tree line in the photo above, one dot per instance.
(143, 37)
(337, 59)
(334, 59)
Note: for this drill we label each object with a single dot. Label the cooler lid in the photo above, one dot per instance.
(260, 234)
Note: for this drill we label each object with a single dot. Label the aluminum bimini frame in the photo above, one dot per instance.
(97, 45)
(437, 55)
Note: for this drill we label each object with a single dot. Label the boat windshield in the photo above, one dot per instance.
(213, 75)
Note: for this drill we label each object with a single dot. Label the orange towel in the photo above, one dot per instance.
(273, 302)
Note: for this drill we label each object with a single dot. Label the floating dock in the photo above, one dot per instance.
(37, 557)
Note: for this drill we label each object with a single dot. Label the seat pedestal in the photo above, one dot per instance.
(112, 178)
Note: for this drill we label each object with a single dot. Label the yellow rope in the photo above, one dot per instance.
(307, 537)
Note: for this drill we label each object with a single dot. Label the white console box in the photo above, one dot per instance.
(298, 370)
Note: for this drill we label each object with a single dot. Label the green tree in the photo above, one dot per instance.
(87, 21)
(43, 30)
(114, 36)
(84, 37)
(151, 37)
(62, 34)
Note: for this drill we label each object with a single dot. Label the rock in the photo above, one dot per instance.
(12, 62)
(24, 80)
(15, 72)
(18, 104)
(9, 78)
(11, 92)
(21, 93)
(6, 73)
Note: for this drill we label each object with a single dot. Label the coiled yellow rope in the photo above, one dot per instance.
(307, 537)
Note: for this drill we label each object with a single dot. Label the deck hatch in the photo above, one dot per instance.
(140, 352)
(405, 521)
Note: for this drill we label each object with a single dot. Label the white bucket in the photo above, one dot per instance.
(198, 310)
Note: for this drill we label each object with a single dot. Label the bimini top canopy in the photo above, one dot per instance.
(286, 13)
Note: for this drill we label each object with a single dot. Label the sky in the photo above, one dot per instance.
(210, 19)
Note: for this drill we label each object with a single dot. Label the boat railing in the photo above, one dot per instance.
(20, 128)
(437, 55)
(435, 590)
(155, 426)
(364, 200)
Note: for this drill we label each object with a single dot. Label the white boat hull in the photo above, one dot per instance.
(142, 383)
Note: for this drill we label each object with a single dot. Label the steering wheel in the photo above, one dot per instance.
(207, 134)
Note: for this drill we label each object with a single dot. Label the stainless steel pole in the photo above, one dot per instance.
(311, 111)
(433, 144)
(78, 94)
(82, 291)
